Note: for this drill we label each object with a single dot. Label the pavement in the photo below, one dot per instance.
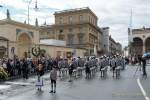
(130, 86)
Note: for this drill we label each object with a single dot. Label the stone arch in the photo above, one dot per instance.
(147, 44)
(3, 38)
(23, 33)
(137, 46)
(24, 42)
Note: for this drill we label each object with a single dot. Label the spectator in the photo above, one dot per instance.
(53, 78)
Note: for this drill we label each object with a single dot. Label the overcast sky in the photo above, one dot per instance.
(111, 13)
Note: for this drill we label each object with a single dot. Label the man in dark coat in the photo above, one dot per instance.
(25, 69)
(144, 66)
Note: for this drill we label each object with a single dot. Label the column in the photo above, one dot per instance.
(143, 48)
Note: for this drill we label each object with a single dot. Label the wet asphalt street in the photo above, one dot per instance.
(125, 88)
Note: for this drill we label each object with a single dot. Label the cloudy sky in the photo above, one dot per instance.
(111, 13)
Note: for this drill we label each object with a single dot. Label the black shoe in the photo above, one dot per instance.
(51, 91)
(54, 91)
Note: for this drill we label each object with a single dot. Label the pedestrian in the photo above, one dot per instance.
(144, 66)
(53, 78)
(25, 69)
(140, 62)
(40, 73)
(18, 66)
(60, 67)
(123, 63)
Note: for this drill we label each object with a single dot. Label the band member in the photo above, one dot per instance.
(71, 68)
(87, 69)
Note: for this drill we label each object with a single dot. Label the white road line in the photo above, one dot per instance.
(142, 89)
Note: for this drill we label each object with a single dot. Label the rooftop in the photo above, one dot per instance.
(72, 10)
(13, 22)
(75, 10)
(141, 29)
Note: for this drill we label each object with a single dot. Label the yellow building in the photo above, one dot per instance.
(17, 38)
(20, 39)
(78, 27)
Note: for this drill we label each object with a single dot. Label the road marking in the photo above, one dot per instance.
(142, 89)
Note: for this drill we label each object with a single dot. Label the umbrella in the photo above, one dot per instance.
(147, 55)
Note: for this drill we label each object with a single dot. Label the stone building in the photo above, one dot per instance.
(19, 39)
(119, 48)
(140, 41)
(105, 40)
(78, 27)
(114, 47)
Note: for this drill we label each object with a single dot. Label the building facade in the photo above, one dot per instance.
(140, 41)
(105, 39)
(115, 48)
(17, 38)
(119, 48)
(78, 27)
(23, 40)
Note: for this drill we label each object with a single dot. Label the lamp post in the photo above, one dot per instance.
(36, 8)
(28, 10)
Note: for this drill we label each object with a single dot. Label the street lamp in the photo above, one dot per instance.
(28, 10)
(36, 8)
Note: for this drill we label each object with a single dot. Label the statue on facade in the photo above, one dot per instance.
(36, 22)
(8, 14)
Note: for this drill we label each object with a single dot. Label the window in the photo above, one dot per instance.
(60, 20)
(80, 29)
(90, 29)
(81, 18)
(70, 39)
(80, 37)
(70, 30)
(61, 31)
(48, 33)
(61, 37)
(70, 19)
(53, 32)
